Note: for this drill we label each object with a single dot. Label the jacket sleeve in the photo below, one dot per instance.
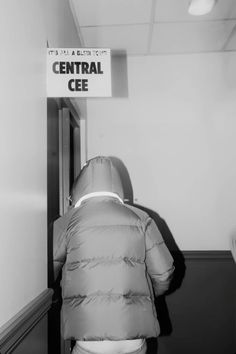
(59, 247)
(159, 261)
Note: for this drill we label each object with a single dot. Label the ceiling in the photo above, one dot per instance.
(152, 27)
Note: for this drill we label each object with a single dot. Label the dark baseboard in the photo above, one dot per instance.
(208, 255)
(15, 330)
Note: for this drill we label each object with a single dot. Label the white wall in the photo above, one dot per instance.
(176, 135)
(23, 253)
(61, 29)
(62, 33)
(23, 140)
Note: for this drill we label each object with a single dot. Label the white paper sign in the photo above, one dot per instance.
(78, 72)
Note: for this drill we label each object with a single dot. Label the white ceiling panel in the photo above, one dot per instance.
(112, 12)
(191, 37)
(131, 38)
(177, 11)
(143, 27)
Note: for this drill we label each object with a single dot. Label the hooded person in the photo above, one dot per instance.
(113, 260)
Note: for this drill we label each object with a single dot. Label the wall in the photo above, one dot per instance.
(25, 28)
(23, 254)
(61, 29)
(62, 32)
(175, 134)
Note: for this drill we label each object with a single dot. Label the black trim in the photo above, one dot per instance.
(14, 331)
(208, 255)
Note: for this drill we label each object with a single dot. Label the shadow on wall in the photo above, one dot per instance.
(119, 74)
(162, 313)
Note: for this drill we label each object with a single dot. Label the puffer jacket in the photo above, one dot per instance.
(112, 257)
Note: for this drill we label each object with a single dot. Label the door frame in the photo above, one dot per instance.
(69, 117)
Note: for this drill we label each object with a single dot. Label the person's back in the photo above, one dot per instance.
(113, 256)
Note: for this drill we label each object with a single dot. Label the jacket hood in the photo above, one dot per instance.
(98, 175)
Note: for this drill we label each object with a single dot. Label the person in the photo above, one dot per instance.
(113, 260)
